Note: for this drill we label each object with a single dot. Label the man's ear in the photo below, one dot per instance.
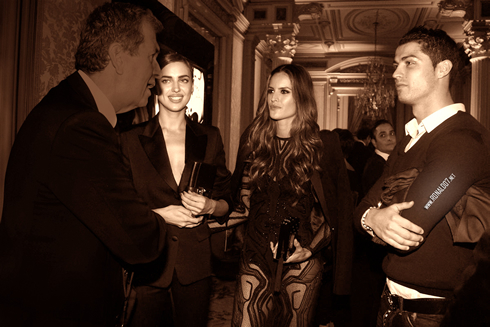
(116, 53)
(444, 68)
(373, 142)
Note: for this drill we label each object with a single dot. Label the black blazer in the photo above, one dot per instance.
(372, 171)
(339, 208)
(188, 251)
(71, 217)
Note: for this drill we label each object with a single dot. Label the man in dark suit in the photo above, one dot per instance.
(362, 150)
(368, 277)
(384, 140)
(71, 216)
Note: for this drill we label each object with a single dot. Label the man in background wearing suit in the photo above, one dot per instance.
(368, 277)
(384, 140)
(71, 217)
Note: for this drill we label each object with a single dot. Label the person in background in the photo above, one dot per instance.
(430, 206)
(295, 172)
(160, 153)
(347, 143)
(383, 139)
(71, 217)
(368, 276)
(362, 151)
(364, 135)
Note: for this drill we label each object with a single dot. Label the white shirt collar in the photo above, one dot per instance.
(383, 155)
(430, 122)
(104, 106)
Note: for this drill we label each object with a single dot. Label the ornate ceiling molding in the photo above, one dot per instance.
(311, 11)
(221, 12)
(389, 19)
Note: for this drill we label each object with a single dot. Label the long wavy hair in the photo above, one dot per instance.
(302, 156)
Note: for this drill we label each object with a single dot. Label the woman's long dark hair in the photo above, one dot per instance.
(302, 156)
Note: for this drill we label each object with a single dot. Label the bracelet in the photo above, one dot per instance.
(363, 219)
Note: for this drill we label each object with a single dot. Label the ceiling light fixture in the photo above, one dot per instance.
(378, 94)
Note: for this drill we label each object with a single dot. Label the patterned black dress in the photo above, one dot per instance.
(256, 303)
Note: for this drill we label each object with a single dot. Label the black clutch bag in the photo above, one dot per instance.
(202, 177)
(285, 247)
(285, 243)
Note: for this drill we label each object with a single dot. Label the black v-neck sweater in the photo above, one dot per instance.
(450, 159)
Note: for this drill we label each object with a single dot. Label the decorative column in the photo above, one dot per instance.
(248, 80)
(282, 46)
(477, 46)
(239, 28)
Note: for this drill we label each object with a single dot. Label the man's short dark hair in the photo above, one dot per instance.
(363, 133)
(346, 141)
(107, 24)
(378, 123)
(439, 46)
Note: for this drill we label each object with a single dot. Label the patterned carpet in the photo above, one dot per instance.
(226, 249)
(221, 306)
(225, 268)
(221, 302)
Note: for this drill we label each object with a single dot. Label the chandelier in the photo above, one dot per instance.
(378, 94)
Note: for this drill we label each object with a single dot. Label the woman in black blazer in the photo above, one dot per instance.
(160, 153)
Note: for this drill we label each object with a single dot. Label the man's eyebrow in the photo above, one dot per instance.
(405, 58)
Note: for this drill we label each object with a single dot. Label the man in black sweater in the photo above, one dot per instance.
(430, 205)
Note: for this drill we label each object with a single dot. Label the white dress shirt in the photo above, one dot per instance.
(383, 155)
(104, 106)
(429, 123)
